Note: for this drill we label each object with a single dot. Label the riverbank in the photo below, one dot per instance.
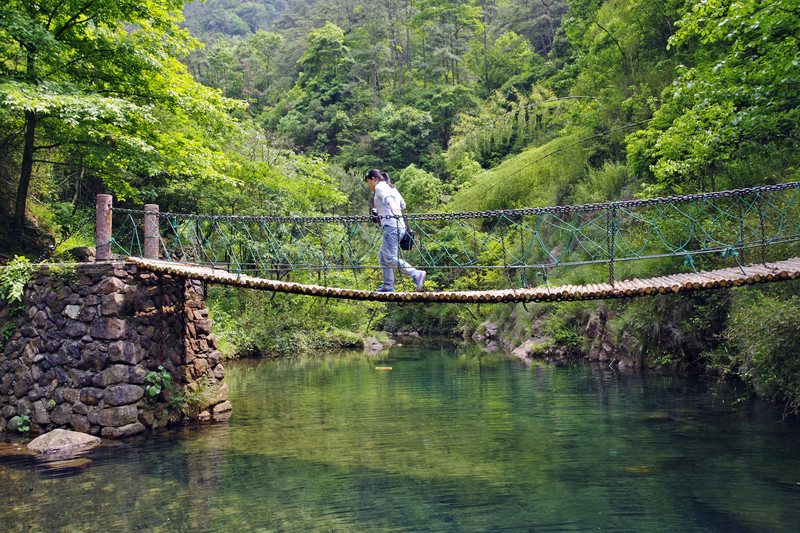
(751, 334)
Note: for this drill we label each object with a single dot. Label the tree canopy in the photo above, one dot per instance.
(739, 96)
(119, 95)
(98, 84)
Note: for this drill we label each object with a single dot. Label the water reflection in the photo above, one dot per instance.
(448, 440)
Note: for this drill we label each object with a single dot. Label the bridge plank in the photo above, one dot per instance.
(674, 283)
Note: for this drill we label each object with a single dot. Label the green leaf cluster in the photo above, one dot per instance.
(23, 423)
(13, 279)
(100, 83)
(157, 381)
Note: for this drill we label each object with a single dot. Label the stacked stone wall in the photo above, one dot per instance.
(78, 352)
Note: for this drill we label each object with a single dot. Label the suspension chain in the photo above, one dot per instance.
(627, 204)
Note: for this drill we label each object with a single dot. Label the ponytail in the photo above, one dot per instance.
(380, 176)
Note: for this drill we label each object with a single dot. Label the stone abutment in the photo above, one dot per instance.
(91, 342)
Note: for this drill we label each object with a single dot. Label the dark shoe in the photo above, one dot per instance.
(419, 279)
(384, 288)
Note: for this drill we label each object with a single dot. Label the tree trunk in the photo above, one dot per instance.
(408, 38)
(425, 71)
(375, 80)
(78, 183)
(551, 37)
(392, 45)
(24, 179)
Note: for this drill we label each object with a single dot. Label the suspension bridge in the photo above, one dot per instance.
(682, 243)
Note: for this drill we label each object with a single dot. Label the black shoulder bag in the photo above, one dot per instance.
(407, 242)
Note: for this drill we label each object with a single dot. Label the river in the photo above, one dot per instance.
(430, 437)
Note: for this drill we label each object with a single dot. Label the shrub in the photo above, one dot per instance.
(764, 337)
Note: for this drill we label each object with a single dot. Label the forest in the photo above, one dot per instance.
(279, 107)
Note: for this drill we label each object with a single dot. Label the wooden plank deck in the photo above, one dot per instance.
(676, 283)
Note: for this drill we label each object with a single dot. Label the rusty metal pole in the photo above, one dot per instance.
(103, 227)
(151, 234)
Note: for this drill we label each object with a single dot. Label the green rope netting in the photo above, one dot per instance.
(525, 243)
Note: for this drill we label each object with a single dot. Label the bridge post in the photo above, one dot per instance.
(151, 235)
(103, 227)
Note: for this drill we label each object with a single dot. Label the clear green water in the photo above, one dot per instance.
(448, 440)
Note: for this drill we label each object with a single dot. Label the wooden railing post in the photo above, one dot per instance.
(151, 234)
(103, 227)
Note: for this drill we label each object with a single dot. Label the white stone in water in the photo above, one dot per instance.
(60, 440)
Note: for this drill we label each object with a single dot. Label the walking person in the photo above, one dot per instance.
(389, 205)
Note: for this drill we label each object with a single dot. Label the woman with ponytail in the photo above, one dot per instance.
(388, 205)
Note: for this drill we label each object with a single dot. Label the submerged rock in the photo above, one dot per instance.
(60, 440)
(69, 464)
(8, 449)
(372, 345)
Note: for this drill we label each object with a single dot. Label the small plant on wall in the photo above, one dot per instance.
(63, 268)
(157, 381)
(6, 332)
(194, 398)
(13, 279)
(23, 423)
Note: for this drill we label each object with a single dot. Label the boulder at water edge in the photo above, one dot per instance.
(60, 440)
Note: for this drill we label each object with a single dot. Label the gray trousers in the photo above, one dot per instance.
(387, 256)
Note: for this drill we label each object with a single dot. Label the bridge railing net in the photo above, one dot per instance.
(522, 242)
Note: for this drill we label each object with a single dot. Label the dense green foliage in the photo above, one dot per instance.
(764, 344)
(13, 279)
(81, 86)
(256, 107)
(736, 98)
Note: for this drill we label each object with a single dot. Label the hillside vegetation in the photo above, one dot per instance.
(264, 107)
